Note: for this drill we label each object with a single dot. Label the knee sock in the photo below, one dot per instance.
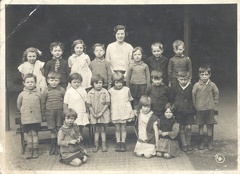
(183, 138)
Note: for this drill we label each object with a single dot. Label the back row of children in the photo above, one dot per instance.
(98, 74)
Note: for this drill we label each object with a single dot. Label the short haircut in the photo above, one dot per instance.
(144, 101)
(120, 27)
(55, 44)
(76, 42)
(169, 106)
(29, 75)
(96, 78)
(74, 76)
(177, 43)
(156, 74)
(204, 68)
(53, 75)
(136, 49)
(157, 44)
(183, 73)
(118, 76)
(30, 49)
(70, 113)
(98, 45)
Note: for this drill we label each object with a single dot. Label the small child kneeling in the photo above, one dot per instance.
(69, 140)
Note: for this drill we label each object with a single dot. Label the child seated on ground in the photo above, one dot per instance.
(167, 145)
(69, 140)
(147, 129)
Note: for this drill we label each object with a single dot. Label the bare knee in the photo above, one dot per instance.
(159, 154)
(76, 162)
(84, 160)
(148, 156)
(138, 154)
(167, 155)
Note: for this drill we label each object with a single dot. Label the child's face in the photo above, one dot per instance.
(57, 52)
(204, 76)
(78, 49)
(137, 56)
(146, 109)
(75, 83)
(31, 57)
(69, 120)
(156, 51)
(157, 82)
(168, 114)
(183, 81)
(118, 84)
(179, 50)
(53, 82)
(120, 35)
(98, 85)
(99, 52)
(29, 83)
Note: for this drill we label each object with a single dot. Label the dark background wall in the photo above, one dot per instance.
(213, 32)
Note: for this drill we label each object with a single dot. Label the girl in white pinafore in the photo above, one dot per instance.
(76, 98)
(30, 64)
(79, 62)
(121, 109)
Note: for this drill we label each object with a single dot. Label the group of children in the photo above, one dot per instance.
(158, 93)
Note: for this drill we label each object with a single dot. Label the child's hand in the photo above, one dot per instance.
(169, 84)
(135, 112)
(72, 142)
(99, 114)
(164, 134)
(160, 132)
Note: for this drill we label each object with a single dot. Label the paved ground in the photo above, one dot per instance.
(225, 144)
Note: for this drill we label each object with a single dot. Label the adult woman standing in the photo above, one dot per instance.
(119, 53)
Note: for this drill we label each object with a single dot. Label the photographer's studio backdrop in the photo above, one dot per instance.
(209, 32)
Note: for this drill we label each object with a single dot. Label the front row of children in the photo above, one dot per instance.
(157, 129)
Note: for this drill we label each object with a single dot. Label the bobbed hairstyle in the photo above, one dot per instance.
(156, 74)
(157, 44)
(136, 49)
(30, 49)
(170, 106)
(118, 76)
(55, 44)
(98, 45)
(29, 75)
(177, 43)
(204, 68)
(76, 42)
(120, 27)
(144, 101)
(96, 78)
(74, 76)
(70, 113)
(53, 75)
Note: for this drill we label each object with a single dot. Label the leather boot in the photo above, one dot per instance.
(53, 146)
(35, 153)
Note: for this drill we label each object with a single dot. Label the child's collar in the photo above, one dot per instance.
(206, 82)
(184, 87)
(27, 90)
(181, 55)
(57, 58)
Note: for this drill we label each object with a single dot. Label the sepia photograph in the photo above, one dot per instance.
(127, 86)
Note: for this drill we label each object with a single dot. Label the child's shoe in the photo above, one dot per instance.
(118, 148)
(104, 148)
(56, 150)
(53, 147)
(29, 153)
(123, 147)
(35, 153)
(201, 144)
(189, 148)
(184, 148)
(95, 149)
(210, 143)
